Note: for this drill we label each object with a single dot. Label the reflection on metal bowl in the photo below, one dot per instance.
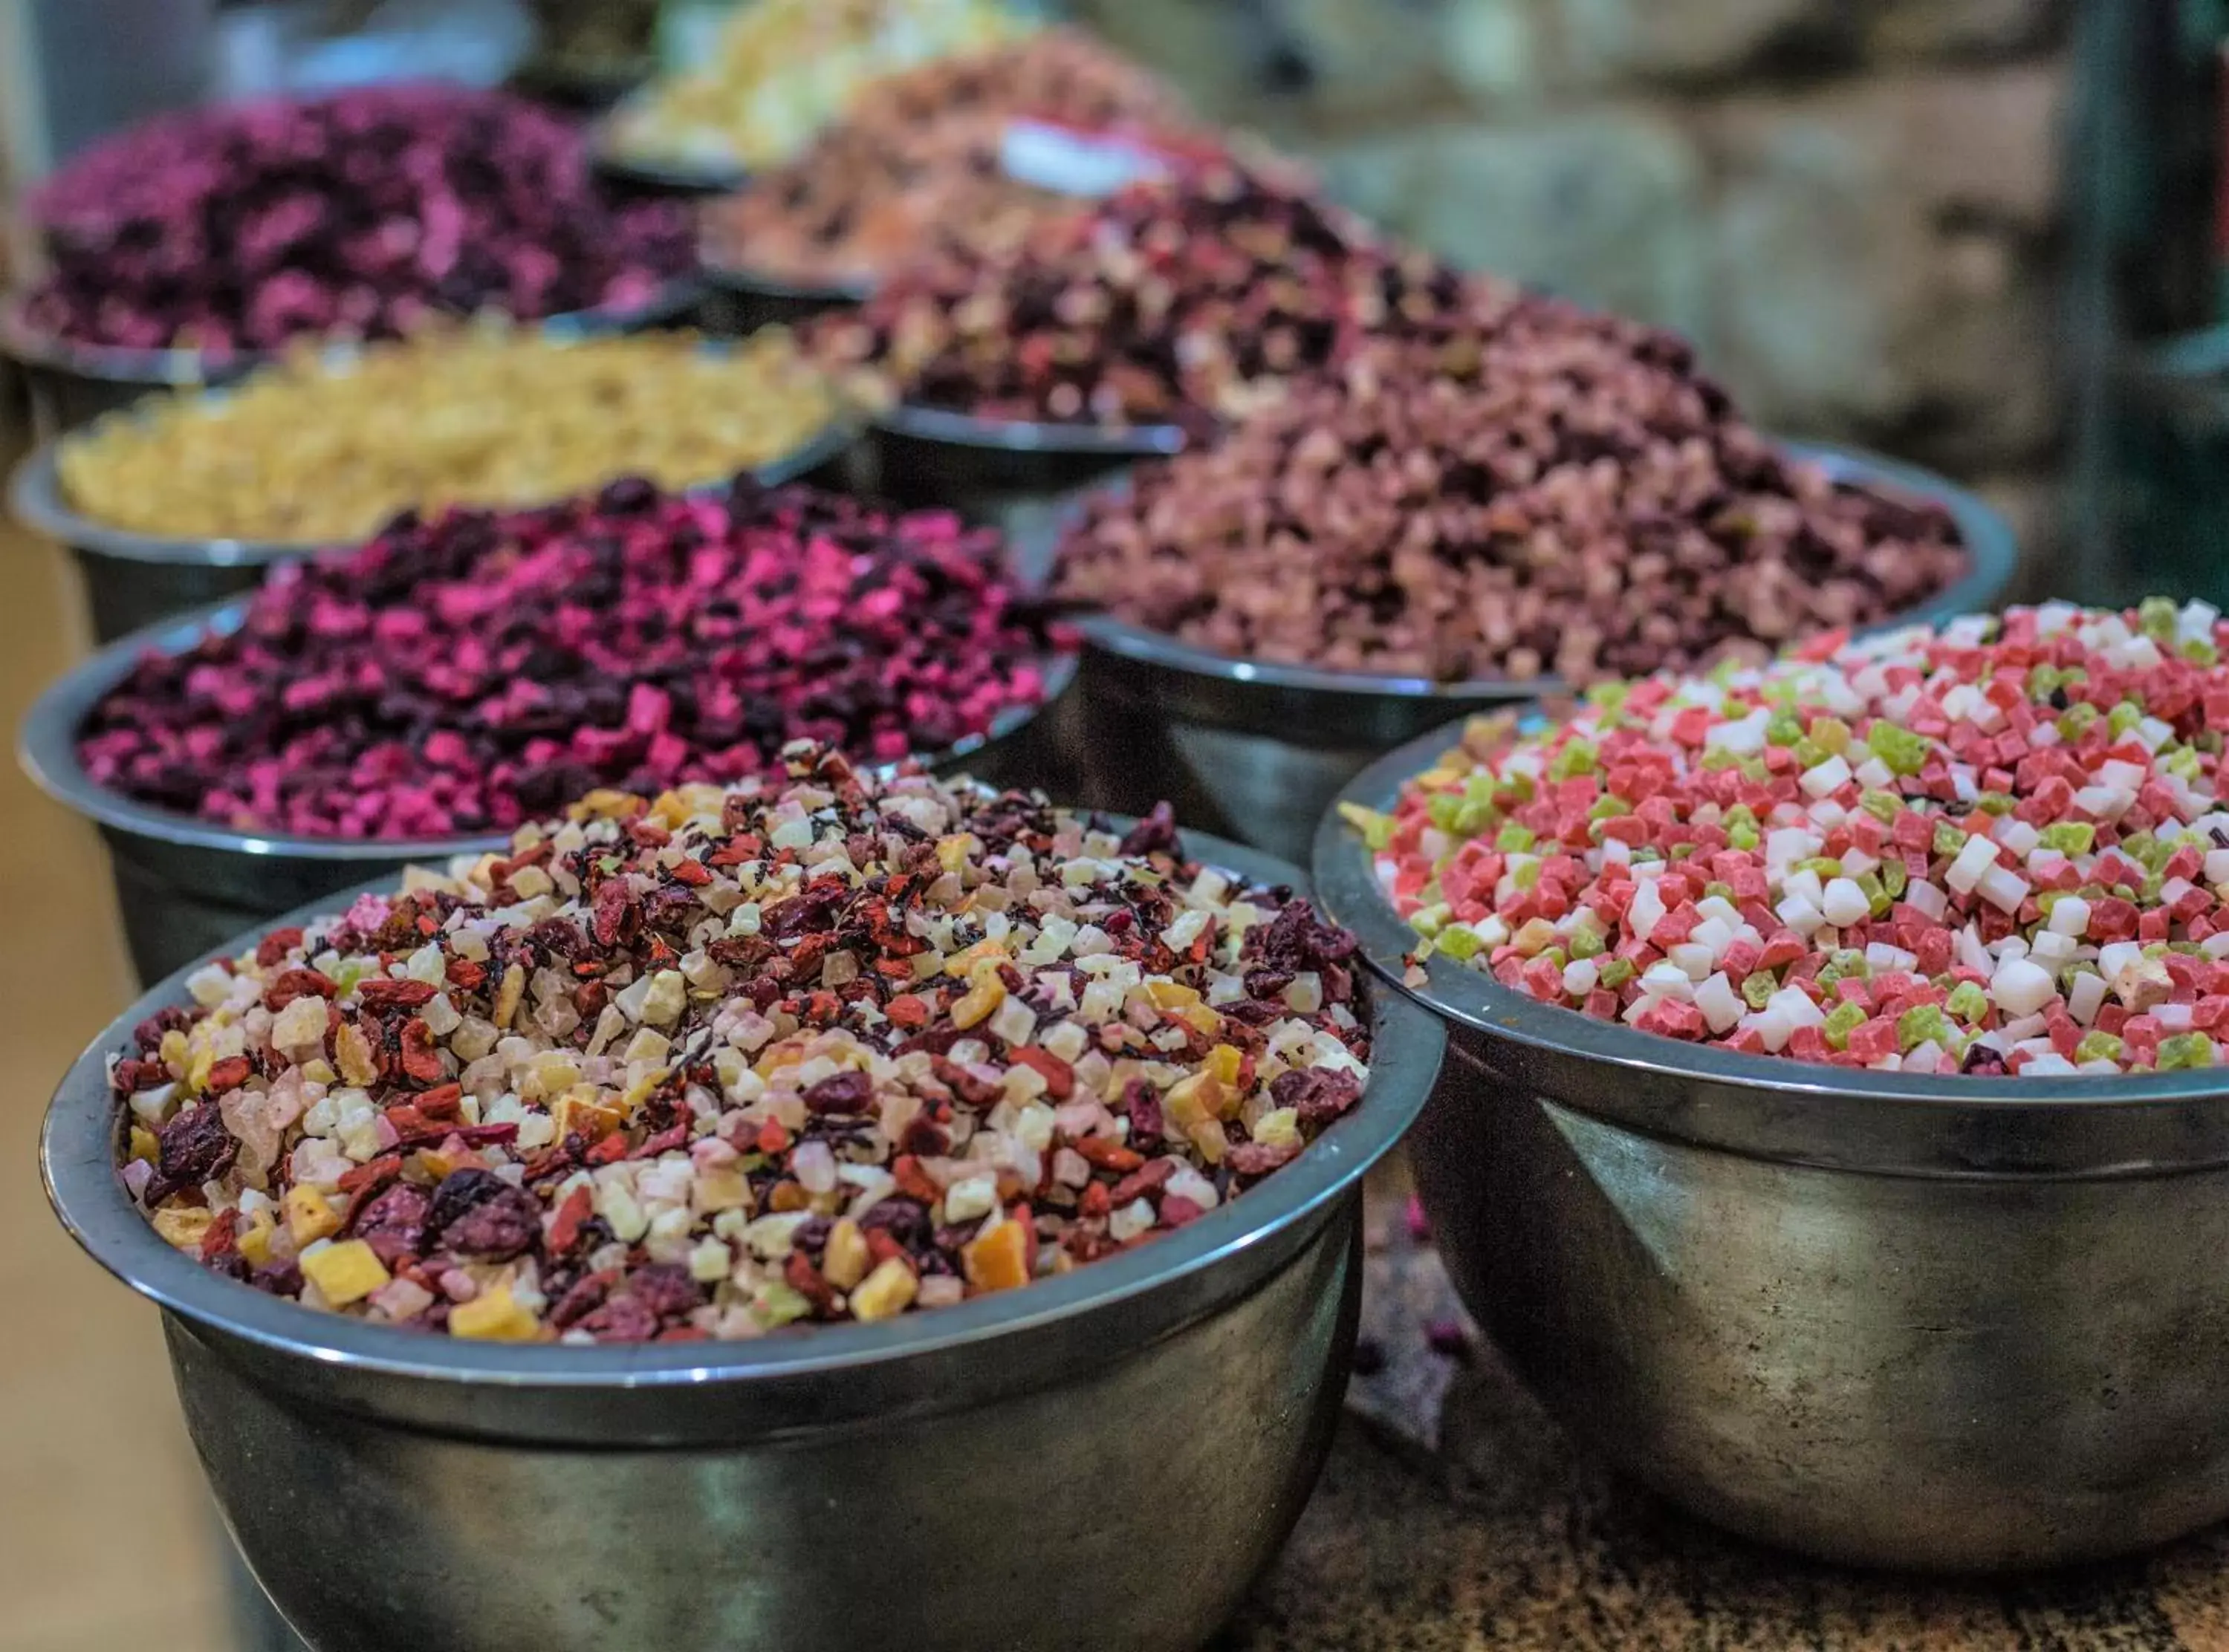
(1258, 749)
(1940, 1323)
(185, 886)
(1106, 1458)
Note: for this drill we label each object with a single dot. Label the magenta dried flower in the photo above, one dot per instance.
(461, 675)
(356, 215)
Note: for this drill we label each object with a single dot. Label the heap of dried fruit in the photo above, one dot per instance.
(357, 214)
(325, 447)
(1532, 489)
(1185, 301)
(918, 166)
(781, 70)
(1999, 848)
(460, 676)
(816, 1048)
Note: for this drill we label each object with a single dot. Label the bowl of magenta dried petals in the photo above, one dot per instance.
(876, 1192)
(432, 690)
(185, 248)
(1834, 1123)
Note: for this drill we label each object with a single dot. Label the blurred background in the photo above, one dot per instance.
(1980, 234)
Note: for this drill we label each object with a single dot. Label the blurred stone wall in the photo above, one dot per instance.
(1851, 205)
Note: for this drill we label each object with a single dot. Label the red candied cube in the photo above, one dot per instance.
(1913, 831)
(1602, 1004)
(1673, 1019)
(1543, 979)
(2191, 904)
(2210, 1012)
(1996, 779)
(2155, 926)
(2185, 862)
(2065, 1033)
(1758, 915)
(1739, 960)
(1469, 911)
(1808, 1044)
(2051, 800)
(1782, 947)
(1691, 725)
(1893, 984)
(2154, 796)
(2112, 919)
(1934, 950)
(1749, 883)
(1851, 990)
(1627, 828)
(1748, 1040)
(1871, 1041)
(2111, 1016)
(1675, 926)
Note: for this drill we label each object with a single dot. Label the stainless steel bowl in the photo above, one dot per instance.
(1016, 473)
(72, 384)
(134, 579)
(1940, 1323)
(1104, 1459)
(1258, 749)
(185, 886)
(738, 302)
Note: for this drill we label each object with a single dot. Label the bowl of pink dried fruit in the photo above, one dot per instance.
(842, 1209)
(1470, 508)
(1834, 1127)
(187, 248)
(456, 676)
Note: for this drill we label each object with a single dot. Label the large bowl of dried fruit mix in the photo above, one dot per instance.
(1470, 509)
(922, 1174)
(461, 674)
(1832, 1119)
(183, 249)
(189, 497)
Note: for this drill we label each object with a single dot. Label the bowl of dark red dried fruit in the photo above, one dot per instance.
(1523, 499)
(1119, 333)
(425, 694)
(840, 1210)
(1833, 1126)
(186, 249)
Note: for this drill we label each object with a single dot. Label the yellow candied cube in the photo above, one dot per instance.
(255, 1243)
(494, 1317)
(951, 851)
(1209, 1136)
(173, 1052)
(1193, 1101)
(345, 1272)
(1171, 995)
(1279, 1128)
(508, 993)
(309, 1216)
(605, 804)
(724, 1187)
(584, 1112)
(352, 1053)
(843, 1264)
(977, 1001)
(184, 1226)
(885, 1292)
(144, 1144)
(1223, 1064)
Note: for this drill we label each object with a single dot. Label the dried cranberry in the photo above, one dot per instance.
(848, 1091)
(477, 1214)
(394, 1223)
(1317, 1094)
(191, 1149)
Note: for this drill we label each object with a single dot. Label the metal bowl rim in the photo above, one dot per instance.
(179, 368)
(1347, 889)
(919, 422)
(1992, 557)
(47, 750)
(78, 1167)
(36, 499)
(765, 284)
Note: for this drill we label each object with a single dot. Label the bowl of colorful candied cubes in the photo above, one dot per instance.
(1833, 1128)
(846, 1207)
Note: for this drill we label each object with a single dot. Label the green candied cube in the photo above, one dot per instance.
(1460, 942)
(1586, 941)
(2099, 1046)
(1444, 809)
(1876, 892)
(1904, 751)
(1842, 1020)
(2123, 717)
(1968, 1001)
(2184, 1050)
(1894, 879)
(2074, 722)
(1377, 829)
(1882, 806)
(1513, 838)
(1918, 1025)
(1616, 973)
(1744, 837)
(2156, 617)
(1758, 989)
(1949, 839)
(1573, 758)
(1783, 728)
(2069, 837)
